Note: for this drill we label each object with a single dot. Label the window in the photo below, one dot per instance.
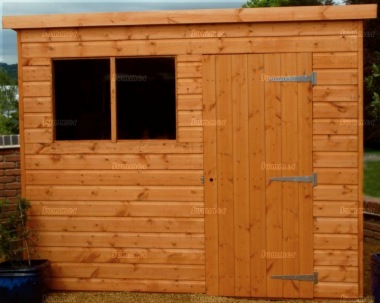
(82, 99)
(145, 99)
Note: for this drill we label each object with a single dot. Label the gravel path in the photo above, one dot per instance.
(131, 297)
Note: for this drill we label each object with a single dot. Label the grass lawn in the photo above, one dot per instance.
(372, 178)
(371, 151)
(372, 173)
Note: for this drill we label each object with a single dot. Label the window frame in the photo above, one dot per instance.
(113, 101)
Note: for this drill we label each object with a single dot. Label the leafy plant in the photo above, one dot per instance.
(8, 104)
(274, 3)
(16, 238)
(373, 108)
(373, 84)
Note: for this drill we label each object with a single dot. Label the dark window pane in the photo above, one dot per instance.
(82, 99)
(146, 105)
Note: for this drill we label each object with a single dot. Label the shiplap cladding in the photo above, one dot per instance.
(136, 229)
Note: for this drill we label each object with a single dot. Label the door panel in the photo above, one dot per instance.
(225, 187)
(290, 154)
(241, 175)
(210, 173)
(257, 181)
(261, 129)
(273, 201)
(305, 162)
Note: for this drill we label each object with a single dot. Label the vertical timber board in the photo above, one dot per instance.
(360, 156)
(225, 177)
(305, 143)
(274, 224)
(210, 175)
(241, 175)
(290, 210)
(256, 115)
(21, 114)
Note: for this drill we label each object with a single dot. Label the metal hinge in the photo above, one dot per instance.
(313, 277)
(312, 179)
(312, 78)
(203, 179)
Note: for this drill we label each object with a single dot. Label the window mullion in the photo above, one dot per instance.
(113, 79)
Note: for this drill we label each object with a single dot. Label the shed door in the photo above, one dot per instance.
(255, 129)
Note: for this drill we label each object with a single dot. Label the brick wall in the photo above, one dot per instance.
(10, 186)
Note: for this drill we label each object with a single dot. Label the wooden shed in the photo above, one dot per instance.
(196, 151)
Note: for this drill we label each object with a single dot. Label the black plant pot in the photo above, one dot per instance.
(375, 277)
(24, 284)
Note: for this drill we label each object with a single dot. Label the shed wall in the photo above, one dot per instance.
(150, 210)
